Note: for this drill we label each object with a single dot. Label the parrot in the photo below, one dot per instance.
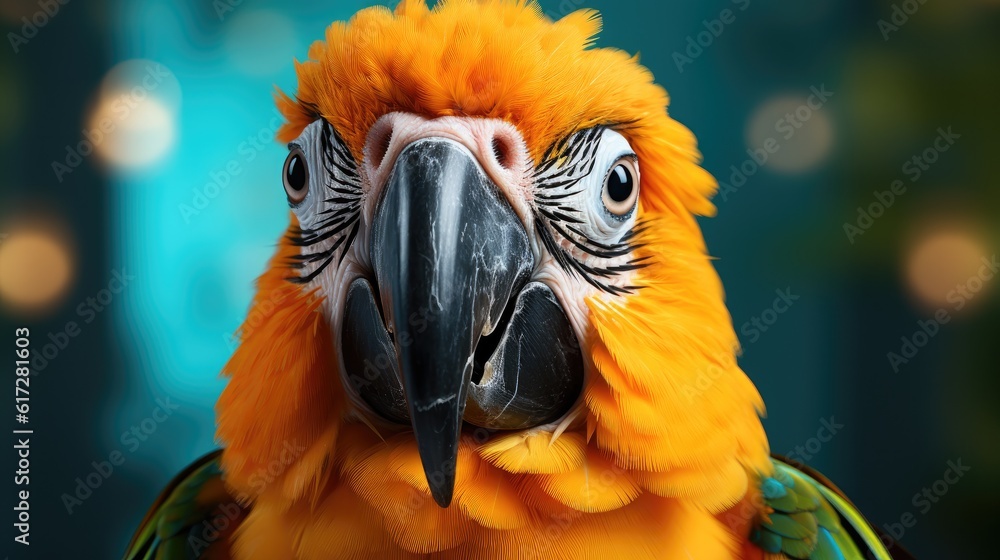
(492, 328)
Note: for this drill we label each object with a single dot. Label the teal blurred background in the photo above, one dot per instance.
(149, 245)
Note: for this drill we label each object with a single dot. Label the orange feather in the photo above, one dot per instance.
(670, 437)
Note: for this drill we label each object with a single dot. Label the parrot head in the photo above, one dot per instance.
(492, 292)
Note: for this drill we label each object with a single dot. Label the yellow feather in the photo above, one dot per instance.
(596, 485)
(536, 452)
(669, 432)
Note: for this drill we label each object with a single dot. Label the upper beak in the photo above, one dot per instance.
(448, 252)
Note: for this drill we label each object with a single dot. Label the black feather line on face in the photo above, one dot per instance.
(341, 221)
(563, 166)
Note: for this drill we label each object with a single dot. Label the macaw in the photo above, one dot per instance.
(491, 329)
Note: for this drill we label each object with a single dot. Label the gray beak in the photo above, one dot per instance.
(448, 253)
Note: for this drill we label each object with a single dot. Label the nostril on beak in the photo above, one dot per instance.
(503, 151)
(380, 145)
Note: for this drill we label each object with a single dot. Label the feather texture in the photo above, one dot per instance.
(803, 520)
(194, 517)
(536, 452)
(668, 436)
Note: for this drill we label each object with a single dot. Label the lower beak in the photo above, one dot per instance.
(448, 253)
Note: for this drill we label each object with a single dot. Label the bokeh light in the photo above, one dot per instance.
(799, 128)
(153, 77)
(261, 42)
(133, 124)
(36, 269)
(138, 136)
(943, 266)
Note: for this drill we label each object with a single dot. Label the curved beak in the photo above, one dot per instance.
(448, 252)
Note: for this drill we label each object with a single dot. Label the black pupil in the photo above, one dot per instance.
(295, 174)
(620, 184)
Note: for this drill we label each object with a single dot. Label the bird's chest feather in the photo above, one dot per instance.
(496, 515)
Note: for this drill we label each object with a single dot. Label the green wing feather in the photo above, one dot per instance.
(185, 520)
(810, 518)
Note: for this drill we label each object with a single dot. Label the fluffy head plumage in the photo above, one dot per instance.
(668, 435)
(497, 59)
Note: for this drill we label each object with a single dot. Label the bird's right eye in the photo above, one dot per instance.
(296, 177)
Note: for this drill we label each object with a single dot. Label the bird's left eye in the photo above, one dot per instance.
(621, 188)
(296, 177)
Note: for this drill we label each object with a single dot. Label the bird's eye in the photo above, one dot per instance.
(621, 188)
(296, 177)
